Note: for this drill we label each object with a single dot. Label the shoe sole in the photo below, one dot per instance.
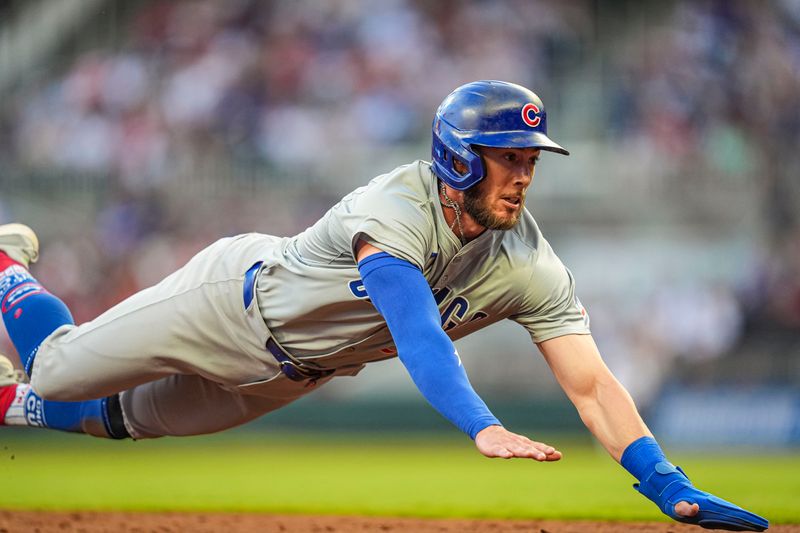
(25, 232)
(8, 374)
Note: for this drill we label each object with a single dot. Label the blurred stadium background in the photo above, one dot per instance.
(133, 133)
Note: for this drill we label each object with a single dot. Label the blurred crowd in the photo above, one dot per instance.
(717, 85)
(281, 82)
(714, 87)
(290, 86)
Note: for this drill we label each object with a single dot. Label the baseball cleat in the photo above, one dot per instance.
(20, 243)
(8, 374)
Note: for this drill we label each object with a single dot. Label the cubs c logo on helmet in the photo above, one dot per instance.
(529, 109)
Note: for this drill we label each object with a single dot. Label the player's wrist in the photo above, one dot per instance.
(641, 456)
(659, 480)
(484, 425)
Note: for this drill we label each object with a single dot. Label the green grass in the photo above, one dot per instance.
(324, 474)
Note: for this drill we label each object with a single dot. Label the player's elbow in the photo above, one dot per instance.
(592, 393)
(431, 353)
(602, 400)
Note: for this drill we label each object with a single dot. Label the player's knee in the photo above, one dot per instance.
(59, 384)
(64, 387)
(50, 389)
(56, 377)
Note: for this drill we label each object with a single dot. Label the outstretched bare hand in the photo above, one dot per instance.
(497, 441)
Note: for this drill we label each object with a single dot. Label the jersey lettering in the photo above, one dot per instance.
(454, 313)
(452, 316)
(357, 289)
(440, 295)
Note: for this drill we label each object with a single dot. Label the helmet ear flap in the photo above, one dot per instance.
(480, 160)
(446, 149)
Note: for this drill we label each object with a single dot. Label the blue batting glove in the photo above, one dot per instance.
(667, 485)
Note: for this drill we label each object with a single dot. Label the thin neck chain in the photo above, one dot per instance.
(448, 202)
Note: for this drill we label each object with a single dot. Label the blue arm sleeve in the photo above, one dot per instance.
(402, 296)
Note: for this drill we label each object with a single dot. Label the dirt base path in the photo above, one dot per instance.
(91, 522)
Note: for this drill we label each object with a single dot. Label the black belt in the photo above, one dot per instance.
(291, 367)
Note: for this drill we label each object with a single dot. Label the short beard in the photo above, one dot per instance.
(475, 203)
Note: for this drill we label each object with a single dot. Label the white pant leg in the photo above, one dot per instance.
(193, 322)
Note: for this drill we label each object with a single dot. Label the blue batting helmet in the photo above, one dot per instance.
(486, 113)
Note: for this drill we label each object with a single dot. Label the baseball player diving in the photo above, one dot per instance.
(417, 258)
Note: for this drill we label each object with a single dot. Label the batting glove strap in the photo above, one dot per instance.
(663, 482)
(667, 485)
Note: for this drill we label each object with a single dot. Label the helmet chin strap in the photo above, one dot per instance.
(449, 202)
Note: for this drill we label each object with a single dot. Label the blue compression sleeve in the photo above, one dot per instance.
(402, 295)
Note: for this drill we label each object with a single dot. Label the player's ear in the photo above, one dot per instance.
(459, 167)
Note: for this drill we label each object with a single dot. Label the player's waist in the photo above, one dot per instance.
(292, 367)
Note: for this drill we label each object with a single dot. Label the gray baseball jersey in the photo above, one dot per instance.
(190, 358)
(312, 299)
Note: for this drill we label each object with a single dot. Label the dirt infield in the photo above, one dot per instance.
(92, 522)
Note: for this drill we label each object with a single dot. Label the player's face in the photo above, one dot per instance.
(496, 202)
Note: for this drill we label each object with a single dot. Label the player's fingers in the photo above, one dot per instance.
(546, 448)
(686, 509)
(532, 453)
(513, 445)
(507, 452)
(522, 450)
(555, 456)
(526, 450)
(540, 456)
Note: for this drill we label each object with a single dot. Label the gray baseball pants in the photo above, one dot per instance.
(185, 355)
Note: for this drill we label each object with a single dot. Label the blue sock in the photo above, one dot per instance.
(30, 313)
(92, 417)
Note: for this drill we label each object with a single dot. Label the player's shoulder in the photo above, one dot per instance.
(415, 177)
(407, 188)
(402, 195)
